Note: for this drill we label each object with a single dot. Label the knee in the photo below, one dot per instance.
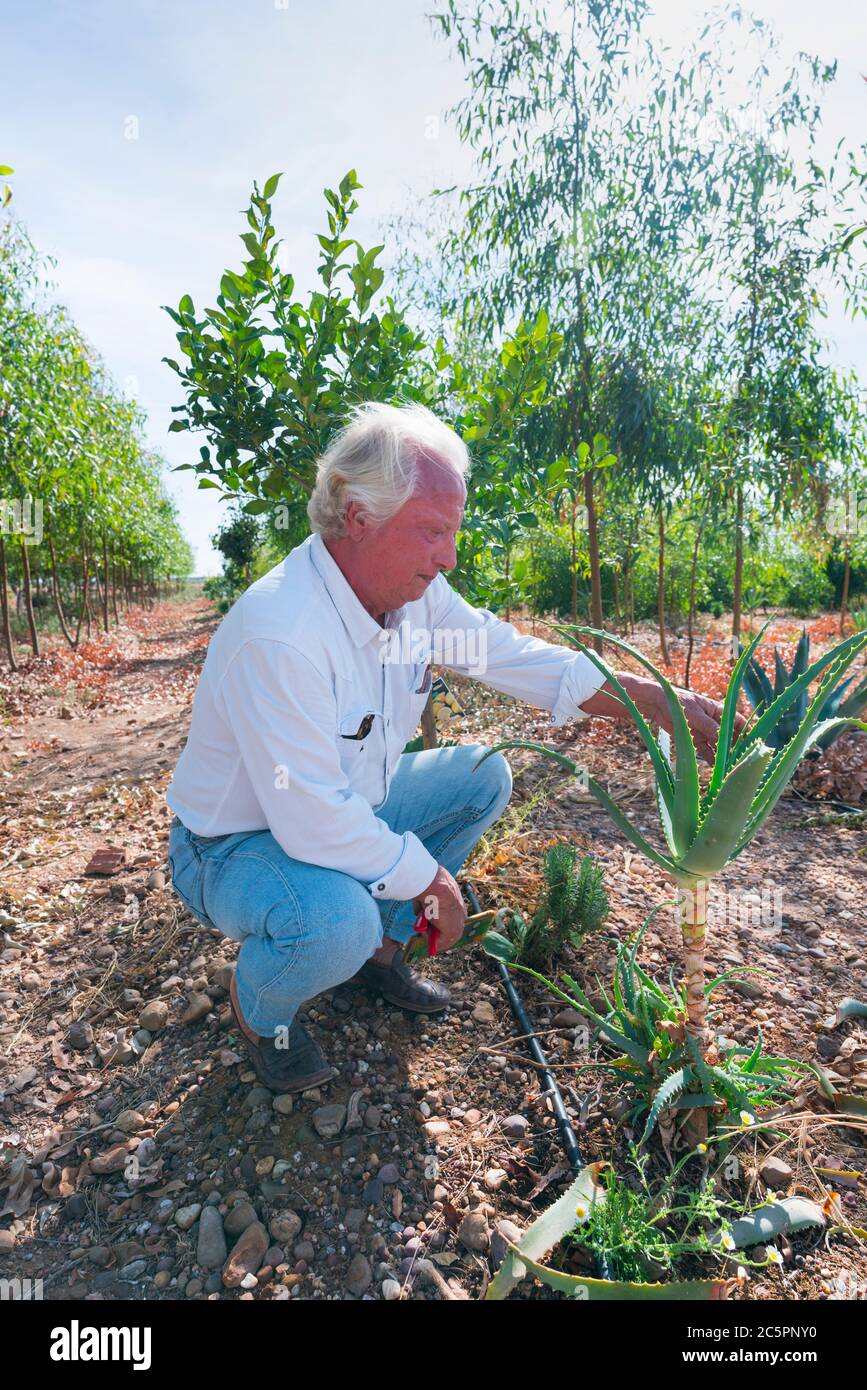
(495, 778)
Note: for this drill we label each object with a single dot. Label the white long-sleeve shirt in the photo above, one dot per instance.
(305, 703)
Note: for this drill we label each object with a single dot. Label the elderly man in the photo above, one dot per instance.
(301, 828)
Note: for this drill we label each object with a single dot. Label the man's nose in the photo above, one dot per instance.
(446, 555)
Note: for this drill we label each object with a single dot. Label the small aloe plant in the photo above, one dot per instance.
(706, 829)
(761, 695)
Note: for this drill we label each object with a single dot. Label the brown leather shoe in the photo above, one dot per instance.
(400, 984)
(295, 1066)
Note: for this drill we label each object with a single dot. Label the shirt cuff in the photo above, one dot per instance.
(580, 680)
(408, 878)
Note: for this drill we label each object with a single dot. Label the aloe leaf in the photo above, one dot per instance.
(685, 806)
(601, 795)
(499, 946)
(776, 1219)
(725, 754)
(845, 652)
(783, 771)
(662, 765)
(726, 817)
(546, 1232)
(623, 1291)
(672, 1086)
(850, 1008)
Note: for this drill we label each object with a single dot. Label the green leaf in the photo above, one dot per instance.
(271, 186)
(546, 1232)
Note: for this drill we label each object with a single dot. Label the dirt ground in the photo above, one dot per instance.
(144, 1162)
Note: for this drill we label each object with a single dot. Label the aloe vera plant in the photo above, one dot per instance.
(705, 830)
(761, 695)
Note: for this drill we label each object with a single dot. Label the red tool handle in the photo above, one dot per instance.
(424, 926)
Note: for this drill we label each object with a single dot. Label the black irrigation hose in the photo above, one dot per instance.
(564, 1124)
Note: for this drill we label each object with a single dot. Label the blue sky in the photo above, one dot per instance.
(219, 92)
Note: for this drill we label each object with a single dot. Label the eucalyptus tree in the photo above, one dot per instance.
(775, 423)
(588, 178)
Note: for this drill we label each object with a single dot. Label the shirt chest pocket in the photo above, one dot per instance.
(416, 693)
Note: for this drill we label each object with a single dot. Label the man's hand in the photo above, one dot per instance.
(443, 906)
(702, 714)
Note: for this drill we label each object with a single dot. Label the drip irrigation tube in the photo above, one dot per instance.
(564, 1124)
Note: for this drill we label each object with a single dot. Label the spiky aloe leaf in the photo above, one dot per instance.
(724, 753)
(854, 705)
(685, 805)
(671, 1087)
(620, 1290)
(775, 1219)
(726, 817)
(783, 771)
(629, 830)
(662, 765)
(841, 657)
(547, 1231)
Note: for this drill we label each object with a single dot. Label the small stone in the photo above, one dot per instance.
(197, 1006)
(130, 1121)
(435, 1129)
(247, 1256)
(474, 1231)
(154, 1015)
(155, 879)
(283, 1104)
(211, 1247)
(503, 1232)
(774, 1172)
(328, 1120)
(494, 1178)
(185, 1217)
(390, 1290)
(242, 1215)
(285, 1226)
(483, 1012)
(80, 1036)
(388, 1173)
(515, 1126)
(358, 1275)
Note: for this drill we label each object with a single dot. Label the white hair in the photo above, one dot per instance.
(374, 459)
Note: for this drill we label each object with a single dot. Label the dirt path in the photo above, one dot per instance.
(136, 1149)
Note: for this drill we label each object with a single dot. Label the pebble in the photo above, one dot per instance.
(285, 1226)
(474, 1231)
(242, 1215)
(185, 1217)
(774, 1172)
(154, 1015)
(283, 1104)
(80, 1036)
(515, 1126)
(359, 1276)
(483, 1012)
(197, 1006)
(328, 1120)
(388, 1173)
(247, 1256)
(390, 1290)
(494, 1178)
(211, 1247)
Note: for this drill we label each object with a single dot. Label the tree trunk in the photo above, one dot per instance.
(660, 592)
(844, 599)
(4, 597)
(632, 600)
(737, 599)
(114, 586)
(85, 585)
(573, 552)
(507, 555)
(596, 617)
(691, 618)
(58, 600)
(28, 598)
(104, 581)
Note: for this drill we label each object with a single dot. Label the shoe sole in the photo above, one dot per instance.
(305, 1084)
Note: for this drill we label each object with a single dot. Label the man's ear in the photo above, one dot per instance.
(356, 522)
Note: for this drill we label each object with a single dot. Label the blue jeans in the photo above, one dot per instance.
(304, 929)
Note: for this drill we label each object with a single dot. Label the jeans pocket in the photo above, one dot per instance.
(183, 871)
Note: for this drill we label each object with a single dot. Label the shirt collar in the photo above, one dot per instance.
(360, 625)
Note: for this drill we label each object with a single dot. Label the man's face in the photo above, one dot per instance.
(397, 561)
